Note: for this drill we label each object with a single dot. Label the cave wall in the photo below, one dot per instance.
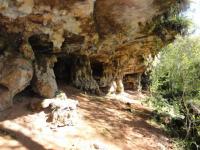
(104, 41)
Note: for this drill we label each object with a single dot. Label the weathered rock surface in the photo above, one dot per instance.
(44, 80)
(15, 75)
(132, 81)
(100, 41)
(5, 98)
(82, 75)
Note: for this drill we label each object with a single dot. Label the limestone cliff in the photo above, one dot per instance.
(98, 46)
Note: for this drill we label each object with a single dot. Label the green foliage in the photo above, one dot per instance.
(175, 84)
(174, 22)
(171, 20)
(162, 106)
(176, 69)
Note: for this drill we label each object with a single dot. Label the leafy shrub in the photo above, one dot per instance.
(176, 70)
(175, 81)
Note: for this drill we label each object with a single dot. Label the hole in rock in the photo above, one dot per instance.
(74, 39)
(145, 81)
(97, 70)
(28, 93)
(131, 81)
(40, 43)
(63, 69)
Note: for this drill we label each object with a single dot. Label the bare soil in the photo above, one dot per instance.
(104, 123)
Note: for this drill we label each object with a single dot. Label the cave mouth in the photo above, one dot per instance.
(63, 69)
(27, 92)
(131, 81)
(97, 70)
(40, 43)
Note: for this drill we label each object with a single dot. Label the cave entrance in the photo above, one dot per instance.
(40, 43)
(97, 70)
(63, 69)
(131, 81)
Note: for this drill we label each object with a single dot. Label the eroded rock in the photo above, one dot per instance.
(44, 80)
(132, 81)
(15, 75)
(107, 39)
(5, 98)
(82, 75)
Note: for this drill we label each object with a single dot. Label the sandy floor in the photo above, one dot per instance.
(104, 123)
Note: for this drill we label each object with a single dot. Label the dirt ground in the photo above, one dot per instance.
(104, 123)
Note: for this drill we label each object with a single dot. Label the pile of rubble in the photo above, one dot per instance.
(63, 110)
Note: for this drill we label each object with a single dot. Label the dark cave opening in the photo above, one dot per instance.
(63, 69)
(40, 43)
(145, 81)
(136, 81)
(97, 70)
(131, 81)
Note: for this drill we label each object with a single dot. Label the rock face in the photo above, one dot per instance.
(15, 76)
(44, 80)
(97, 43)
(5, 98)
(82, 75)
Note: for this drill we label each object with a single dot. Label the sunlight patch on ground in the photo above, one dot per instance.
(127, 97)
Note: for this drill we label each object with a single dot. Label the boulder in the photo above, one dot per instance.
(15, 76)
